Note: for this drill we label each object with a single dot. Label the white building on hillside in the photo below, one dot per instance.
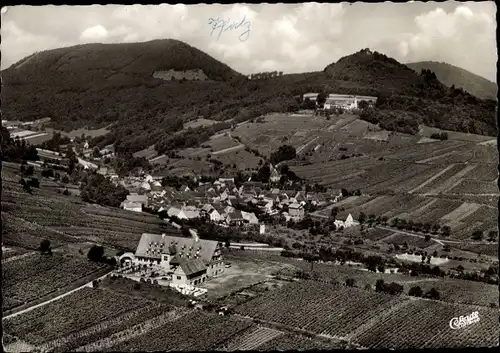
(191, 261)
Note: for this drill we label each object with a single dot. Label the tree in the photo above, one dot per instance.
(345, 193)
(227, 244)
(95, 152)
(477, 235)
(393, 288)
(446, 231)
(350, 282)
(380, 285)
(432, 294)
(368, 287)
(427, 237)
(65, 179)
(284, 153)
(334, 213)
(361, 217)
(96, 253)
(492, 235)
(381, 268)
(45, 247)
(415, 291)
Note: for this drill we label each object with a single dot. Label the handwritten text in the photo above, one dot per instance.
(219, 25)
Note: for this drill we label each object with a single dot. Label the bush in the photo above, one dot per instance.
(350, 282)
(415, 291)
(96, 253)
(45, 247)
(95, 283)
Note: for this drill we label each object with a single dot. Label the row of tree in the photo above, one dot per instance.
(265, 75)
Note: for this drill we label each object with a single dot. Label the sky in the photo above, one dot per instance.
(252, 38)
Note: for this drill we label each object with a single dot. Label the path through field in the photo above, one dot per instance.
(230, 149)
(440, 241)
(89, 284)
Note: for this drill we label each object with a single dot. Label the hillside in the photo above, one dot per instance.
(451, 75)
(408, 98)
(135, 89)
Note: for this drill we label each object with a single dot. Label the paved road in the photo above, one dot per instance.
(89, 284)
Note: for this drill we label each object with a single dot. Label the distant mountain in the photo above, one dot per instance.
(380, 72)
(133, 59)
(452, 75)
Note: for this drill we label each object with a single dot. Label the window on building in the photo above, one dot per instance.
(179, 277)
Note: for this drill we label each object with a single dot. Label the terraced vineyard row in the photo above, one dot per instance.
(196, 331)
(425, 324)
(250, 339)
(290, 342)
(70, 314)
(322, 308)
(30, 277)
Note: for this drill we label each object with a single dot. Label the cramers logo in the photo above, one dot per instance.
(462, 321)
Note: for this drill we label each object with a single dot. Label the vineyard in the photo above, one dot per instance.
(33, 276)
(70, 314)
(250, 339)
(424, 324)
(290, 342)
(65, 219)
(322, 308)
(195, 331)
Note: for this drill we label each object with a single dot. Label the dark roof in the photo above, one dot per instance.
(193, 266)
(183, 247)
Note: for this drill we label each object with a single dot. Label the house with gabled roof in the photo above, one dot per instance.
(135, 197)
(301, 196)
(207, 208)
(235, 217)
(275, 175)
(345, 221)
(132, 206)
(167, 253)
(296, 211)
(249, 217)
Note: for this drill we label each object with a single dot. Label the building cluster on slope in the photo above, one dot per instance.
(220, 201)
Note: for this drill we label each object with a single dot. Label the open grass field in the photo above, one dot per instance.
(199, 122)
(413, 242)
(221, 142)
(79, 132)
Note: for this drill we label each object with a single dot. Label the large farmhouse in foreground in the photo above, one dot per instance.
(191, 260)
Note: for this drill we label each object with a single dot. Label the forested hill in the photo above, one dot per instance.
(454, 76)
(97, 85)
(409, 98)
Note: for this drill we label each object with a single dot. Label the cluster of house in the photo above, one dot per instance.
(188, 260)
(218, 201)
(344, 101)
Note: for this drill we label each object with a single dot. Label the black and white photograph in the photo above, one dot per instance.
(249, 177)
